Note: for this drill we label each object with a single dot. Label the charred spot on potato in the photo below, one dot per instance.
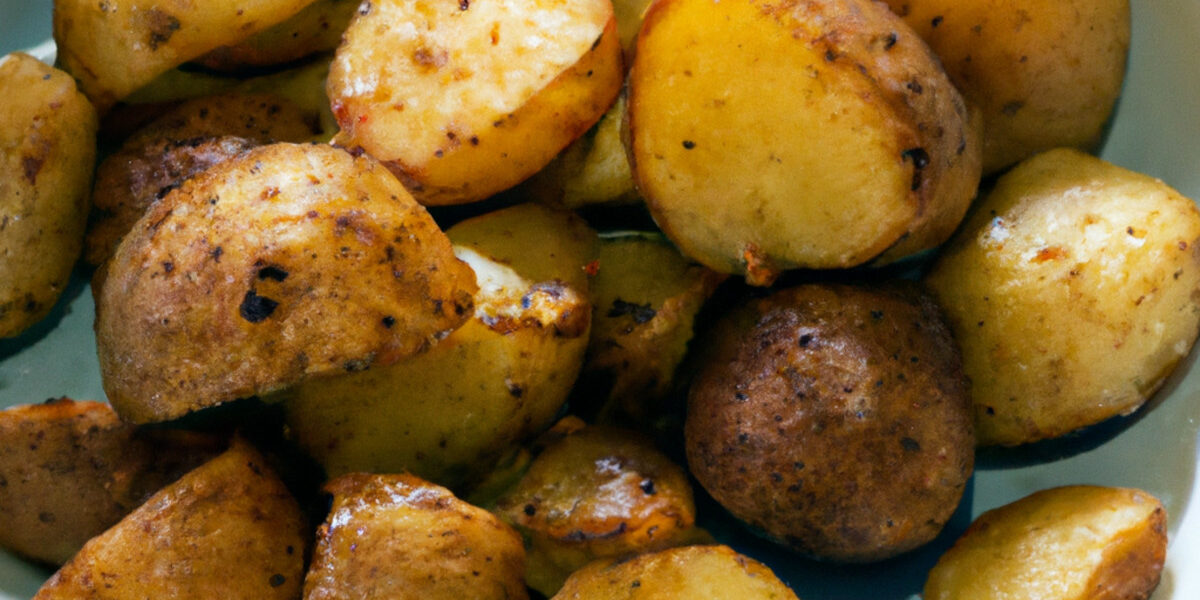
(255, 308)
(388, 321)
(272, 272)
(641, 313)
(161, 27)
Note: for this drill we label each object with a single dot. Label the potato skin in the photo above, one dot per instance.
(713, 572)
(834, 419)
(47, 155)
(288, 262)
(396, 536)
(70, 470)
(1065, 229)
(814, 134)
(1045, 73)
(228, 529)
(1067, 543)
(316, 28)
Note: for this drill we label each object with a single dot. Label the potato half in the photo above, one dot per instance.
(1073, 293)
(1043, 73)
(396, 536)
(288, 262)
(47, 154)
(805, 134)
(1067, 543)
(463, 100)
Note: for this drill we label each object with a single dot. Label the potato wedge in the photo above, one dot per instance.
(228, 529)
(450, 413)
(115, 47)
(1067, 543)
(1044, 74)
(47, 154)
(317, 28)
(396, 536)
(712, 572)
(70, 470)
(802, 135)
(597, 493)
(1065, 229)
(464, 100)
(285, 263)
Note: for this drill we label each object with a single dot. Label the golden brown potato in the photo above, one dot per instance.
(834, 419)
(70, 470)
(1067, 543)
(644, 298)
(285, 263)
(450, 413)
(229, 529)
(1045, 73)
(816, 134)
(1072, 291)
(317, 28)
(396, 536)
(464, 100)
(712, 572)
(181, 143)
(114, 47)
(47, 151)
(597, 493)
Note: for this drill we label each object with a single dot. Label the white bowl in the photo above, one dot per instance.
(1156, 131)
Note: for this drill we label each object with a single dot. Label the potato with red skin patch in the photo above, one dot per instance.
(285, 263)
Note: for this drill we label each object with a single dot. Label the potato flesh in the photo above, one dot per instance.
(47, 151)
(465, 100)
(1069, 543)
(1067, 230)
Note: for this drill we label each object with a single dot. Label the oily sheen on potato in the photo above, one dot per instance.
(287, 262)
(800, 134)
(1072, 292)
(465, 99)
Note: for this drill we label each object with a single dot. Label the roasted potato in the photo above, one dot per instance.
(1072, 291)
(597, 493)
(228, 529)
(450, 413)
(713, 572)
(464, 100)
(834, 419)
(1045, 74)
(396, 536)
(70, 470)
(115, 47)
(47, 151)
(817, 135)
(1067, 543)
(316, 28)
(284, 263)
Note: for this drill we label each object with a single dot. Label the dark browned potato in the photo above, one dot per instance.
(397, 536)
(709, 572)
(1076, 542)
(597, 493)
(285, 263)
(47, 154)
(70, 470)
(229, 529)
(835, 419)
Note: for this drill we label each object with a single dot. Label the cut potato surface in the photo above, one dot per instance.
(465, 99)
(287, 262)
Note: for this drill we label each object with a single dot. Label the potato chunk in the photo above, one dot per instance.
(1067, 543)
(285, 263)
(1072, 292)
(712, 572)
(317, 28)
(71, 470)
(229, 529)
(47, 151)
(465, 99)
(799, 135)
(396, 536)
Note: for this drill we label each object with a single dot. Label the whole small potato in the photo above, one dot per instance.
(1073, 292)
(1069, 543)
(834, 419)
